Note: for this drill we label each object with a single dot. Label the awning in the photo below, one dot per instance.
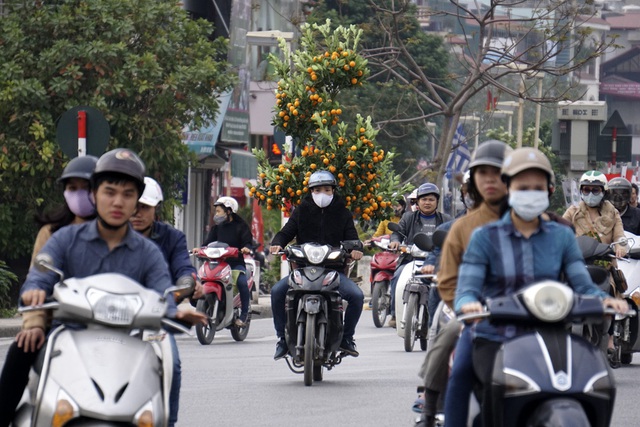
(203, 141)
(243, 163)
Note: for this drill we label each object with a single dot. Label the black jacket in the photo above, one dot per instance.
(631, 220)
(234, 233)
(311, 224)
(410, 224)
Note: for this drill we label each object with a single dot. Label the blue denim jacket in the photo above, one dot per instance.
(499, 261)
(173, 244)
(79, 251)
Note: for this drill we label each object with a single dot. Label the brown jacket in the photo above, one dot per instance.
(454, 246)
(608, 225)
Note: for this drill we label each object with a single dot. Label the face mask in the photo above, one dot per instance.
(591, 199)
(528, 205)
(80, 203)
(322, 199)
(219, 219)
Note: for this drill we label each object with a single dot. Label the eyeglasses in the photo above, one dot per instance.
(594, 190)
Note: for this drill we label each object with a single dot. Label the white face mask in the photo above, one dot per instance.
(591, 199)
(529, 205)
(322, 199)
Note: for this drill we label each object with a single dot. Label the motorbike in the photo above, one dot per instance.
(624, 328)
(383, 264)
(412, 294)
(220, 301)
(108, 361)
(314, 307)
(546, 375)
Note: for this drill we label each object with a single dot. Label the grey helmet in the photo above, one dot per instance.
(121, 161)
(490, 153)
(428, 188)
(79, 167)
(322, 178)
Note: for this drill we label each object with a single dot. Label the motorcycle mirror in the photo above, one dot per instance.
(395, 228)
(438, 238)
(423, 241)
(44, 262)
(350, 245)
(590, 247)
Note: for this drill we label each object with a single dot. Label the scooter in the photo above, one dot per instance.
(108, 361)
(548, 376)
(314, 307)
(383, 265)
(220, 301)
(412, 294)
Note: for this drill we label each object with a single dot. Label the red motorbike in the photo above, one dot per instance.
(383, 265)
(221, 301)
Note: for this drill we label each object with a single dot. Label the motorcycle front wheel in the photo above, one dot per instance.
(380, 302)
(205, 305)
(410, 327)
(309, 348)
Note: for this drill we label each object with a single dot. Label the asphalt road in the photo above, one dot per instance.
(239, 384)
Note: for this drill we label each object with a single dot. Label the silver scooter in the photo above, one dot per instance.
(108, 360)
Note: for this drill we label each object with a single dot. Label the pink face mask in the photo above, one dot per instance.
(80, 203)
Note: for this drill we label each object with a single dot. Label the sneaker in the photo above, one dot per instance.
(281, 349)
(348, 346)
(392, 322)
(239, 323)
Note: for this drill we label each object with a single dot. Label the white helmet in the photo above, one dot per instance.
(595, 178)
(152, 194)
(227, 202)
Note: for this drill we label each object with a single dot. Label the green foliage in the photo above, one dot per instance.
(147, 66)
(326, 64)
(6, 279)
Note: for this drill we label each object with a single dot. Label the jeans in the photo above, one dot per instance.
(174, 393)
(243, 290)
(461, 381)
(349, 291)
(432, 304)
(394, 283)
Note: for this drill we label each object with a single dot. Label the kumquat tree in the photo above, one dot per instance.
(307, 110)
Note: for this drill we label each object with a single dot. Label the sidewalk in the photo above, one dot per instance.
(10, 327)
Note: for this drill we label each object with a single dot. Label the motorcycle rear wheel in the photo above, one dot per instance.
(309, 348)
(205, 305)
(380, 303)
(410, 326)
(240, 334)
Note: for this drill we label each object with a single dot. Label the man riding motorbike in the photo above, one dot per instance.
(424, 220)
(620, 196)
(322, 218)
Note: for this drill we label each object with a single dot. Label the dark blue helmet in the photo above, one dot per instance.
(428, 188)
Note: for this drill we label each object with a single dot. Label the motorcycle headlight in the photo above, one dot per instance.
(548, 301)
(315, 254)
(113, 309)
(333, 255)
(214, 252)
(297, 253)
(297, 277)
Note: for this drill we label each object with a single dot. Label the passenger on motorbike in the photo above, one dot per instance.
(634, 195)
(108, 243)
(78, 208)
(173, 245)
(322, 218)
(620, 197)
(486, 196)
(231, 229)
(424, 220)
(398, 211)
(413, 202)
(521, 248)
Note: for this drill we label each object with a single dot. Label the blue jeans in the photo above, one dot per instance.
(174, 393)
(243, 290)
(461, 380)
(394, 283)
(349, 291)
(432, 304)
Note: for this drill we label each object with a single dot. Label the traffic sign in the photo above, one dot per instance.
(83, 130)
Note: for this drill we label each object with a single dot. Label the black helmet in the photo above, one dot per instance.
(79, 167)
(120, 161)
(322, 178)
(620, 183)
(428, 188)
(490, 153)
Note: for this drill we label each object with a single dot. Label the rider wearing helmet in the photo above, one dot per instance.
(322, 218)
(231, 229)
(413, 202)
(107, 244)
(424, 220)
(620, 195)
(534, 249)
(487, 192)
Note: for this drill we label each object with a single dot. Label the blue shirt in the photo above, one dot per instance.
(173, 245)
(79, 251)
(499, 261)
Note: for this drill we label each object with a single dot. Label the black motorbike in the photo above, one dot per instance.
(546, 375)
(314, 307)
